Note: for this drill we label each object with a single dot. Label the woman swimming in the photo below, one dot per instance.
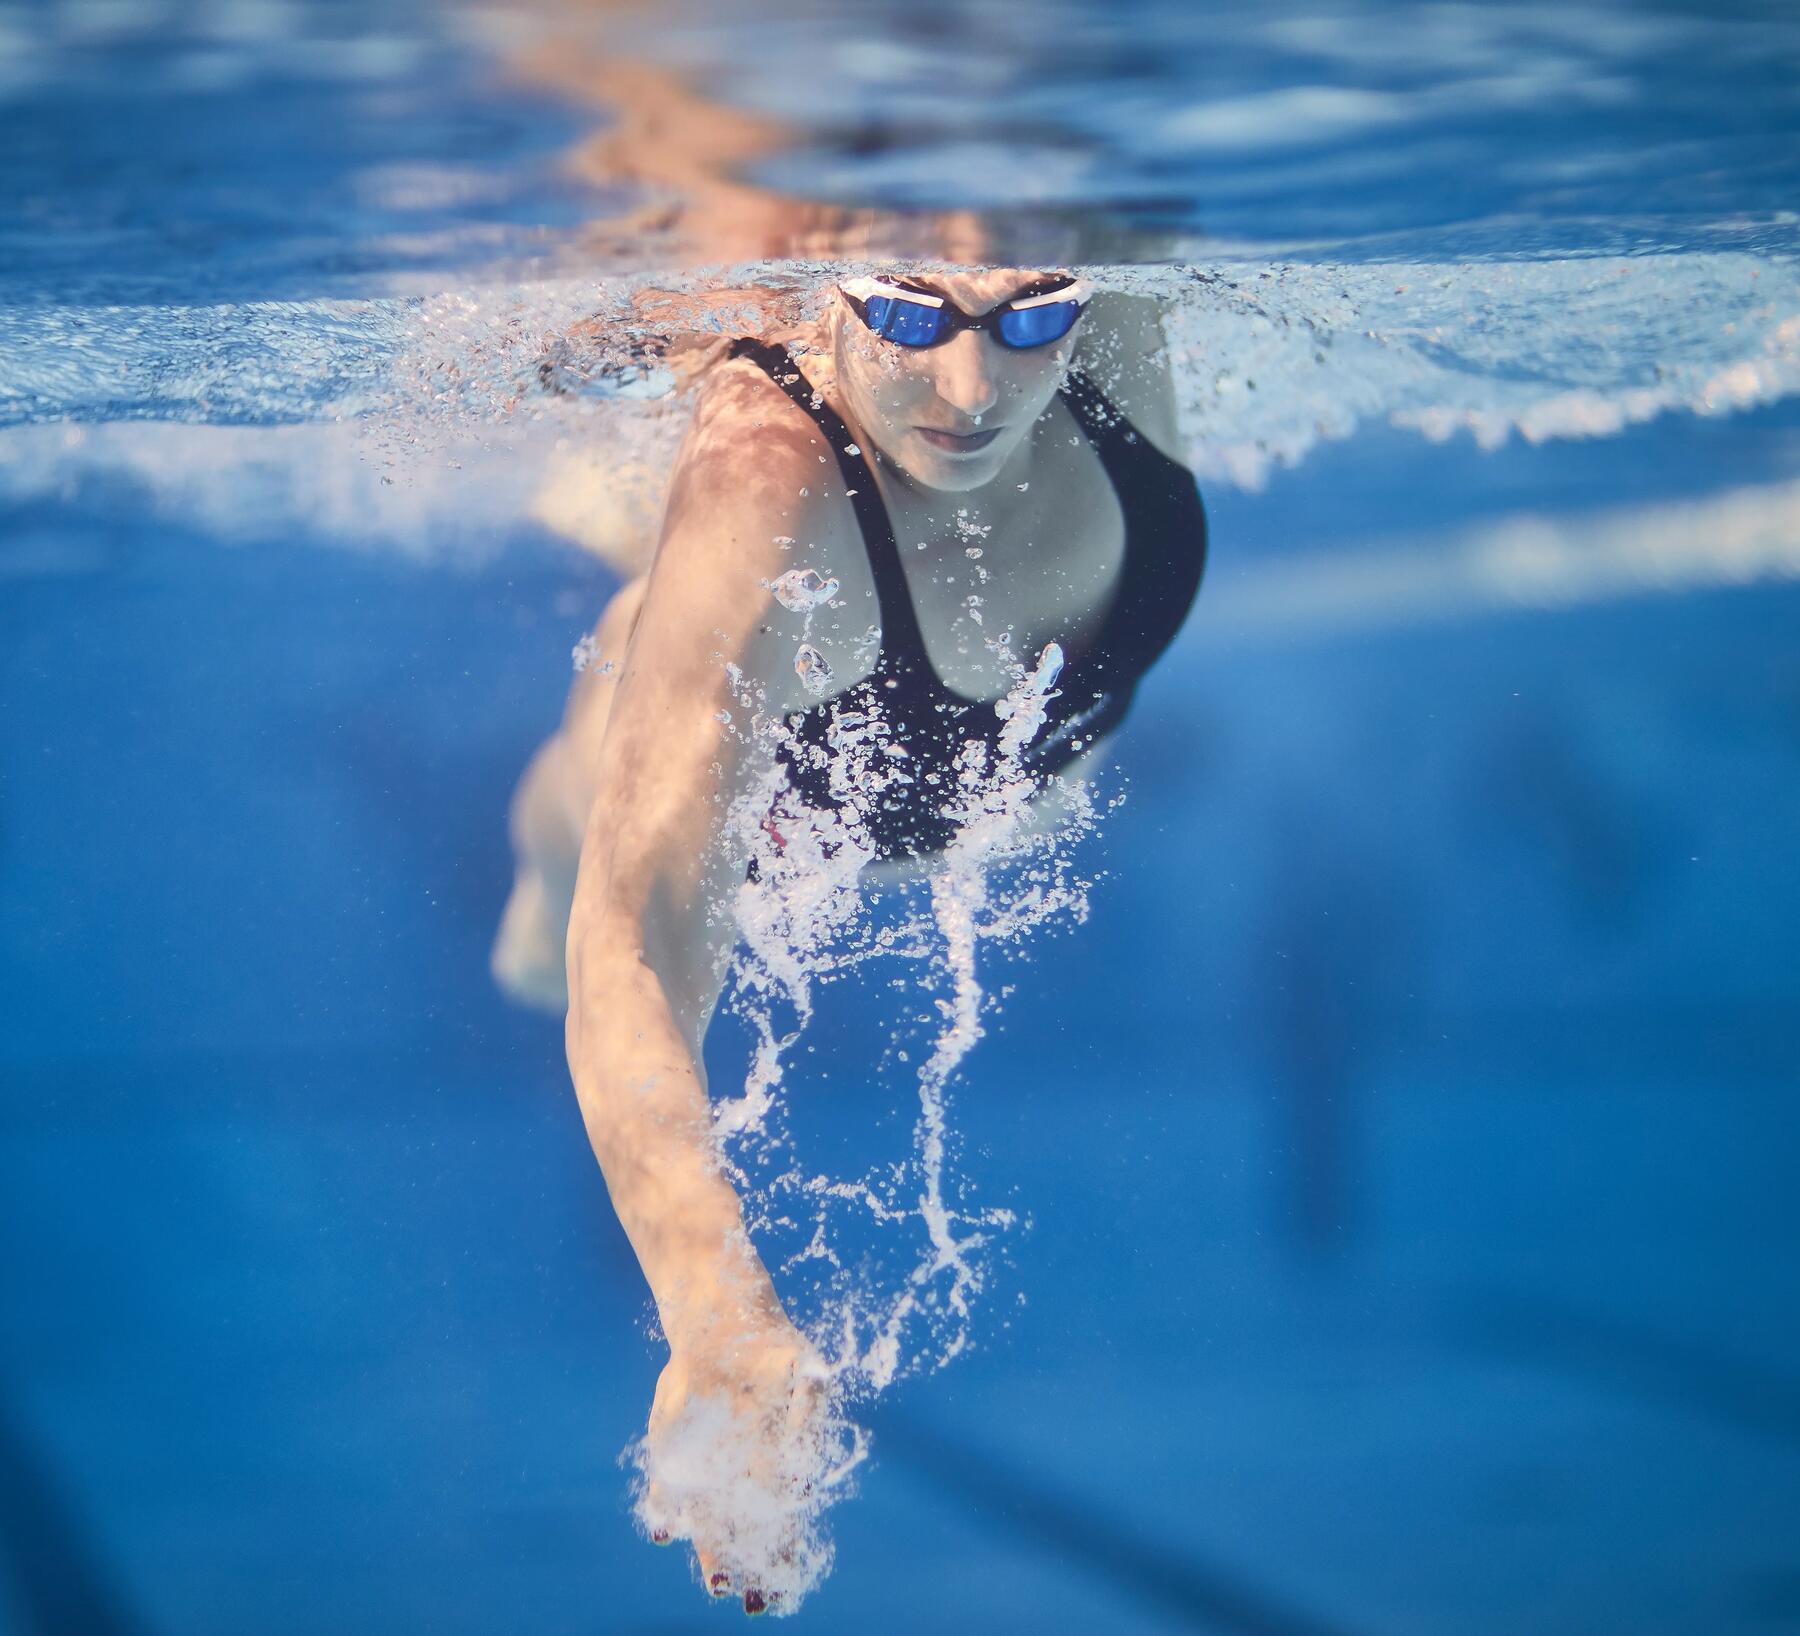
(816, 556)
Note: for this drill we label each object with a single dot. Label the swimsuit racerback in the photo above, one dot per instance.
(1165, 556)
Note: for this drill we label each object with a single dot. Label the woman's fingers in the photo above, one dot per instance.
(736, 1474)
(713, 1573)
(655, 1514)
(720, 1584)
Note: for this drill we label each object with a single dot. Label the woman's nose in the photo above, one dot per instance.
(965, 377)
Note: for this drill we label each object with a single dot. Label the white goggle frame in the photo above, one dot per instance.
(868, 289)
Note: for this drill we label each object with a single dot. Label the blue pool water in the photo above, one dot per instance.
(1404, 1144)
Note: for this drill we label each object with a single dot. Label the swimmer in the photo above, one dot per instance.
(968, 453)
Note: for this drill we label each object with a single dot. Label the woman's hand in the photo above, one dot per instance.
(741, 1448)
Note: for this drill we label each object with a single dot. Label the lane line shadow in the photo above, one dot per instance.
(1171, 1583)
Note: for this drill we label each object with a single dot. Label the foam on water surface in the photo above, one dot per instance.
(434, 424)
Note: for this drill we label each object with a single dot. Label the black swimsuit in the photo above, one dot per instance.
(1165, 555)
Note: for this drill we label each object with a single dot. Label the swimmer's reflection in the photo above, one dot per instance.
(950, 491)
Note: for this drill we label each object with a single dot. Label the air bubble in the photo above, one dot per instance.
(810, 667)
(800, 590)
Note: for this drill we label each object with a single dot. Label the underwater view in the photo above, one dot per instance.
(929, 818)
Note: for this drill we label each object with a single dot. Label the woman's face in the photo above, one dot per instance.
(949, 416)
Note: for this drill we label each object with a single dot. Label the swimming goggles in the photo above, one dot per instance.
(916, 318)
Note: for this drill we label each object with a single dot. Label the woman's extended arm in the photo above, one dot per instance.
(651, 931)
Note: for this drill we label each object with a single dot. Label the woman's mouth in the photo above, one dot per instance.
(952, 443)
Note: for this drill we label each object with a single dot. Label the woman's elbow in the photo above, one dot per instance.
(629, 965)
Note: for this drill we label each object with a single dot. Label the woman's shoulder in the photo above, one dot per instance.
(746, 425)
(756, 497)
(752, 454)
(1124, 352)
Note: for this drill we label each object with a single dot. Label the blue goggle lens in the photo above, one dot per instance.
(907, 323)
(1038, 326)
(914, 324)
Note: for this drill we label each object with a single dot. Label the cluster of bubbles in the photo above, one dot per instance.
(807, 918)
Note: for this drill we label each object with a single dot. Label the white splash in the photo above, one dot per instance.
(434, 425)
(760, 1492)
(808, 917)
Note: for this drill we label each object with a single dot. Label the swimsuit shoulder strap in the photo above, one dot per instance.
(1146, 479)
(1165, 521)
(1107, 426)
(899, 624)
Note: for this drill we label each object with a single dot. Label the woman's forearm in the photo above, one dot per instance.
(648, 1117)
